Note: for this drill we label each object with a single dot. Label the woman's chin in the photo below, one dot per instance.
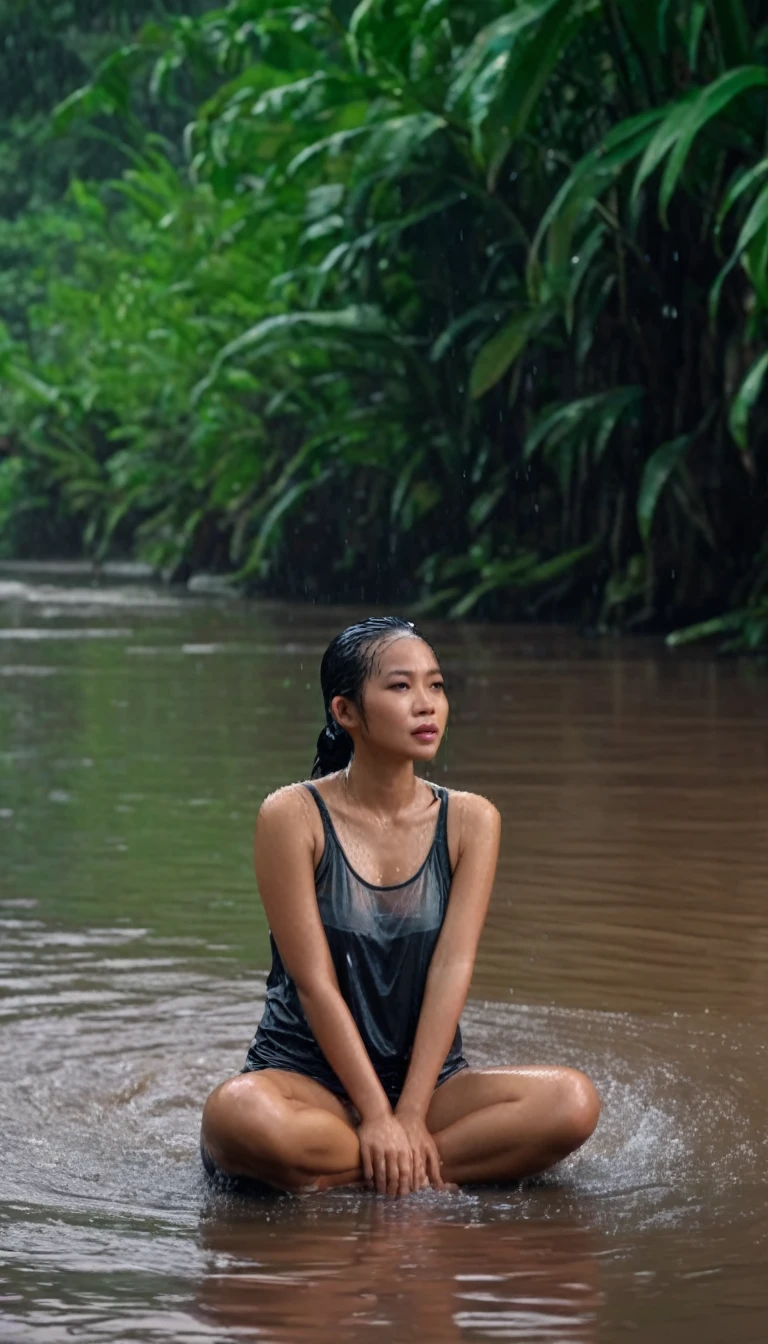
(426, 750)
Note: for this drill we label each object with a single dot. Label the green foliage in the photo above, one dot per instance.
(462, 304)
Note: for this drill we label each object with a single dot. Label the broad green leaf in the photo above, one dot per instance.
(719, 625)
(610, 414)
(592, 305)
(285, 99)
(594, 173)
(287, 501)
(525, 572)
(656, 472)
(581, 264)
(662, 141)
(358, 319)
(528, 70)
(743, 182)
(403, 482)
(500, 352)
(360, 14)
(471, 599)
(482, 507)
(711, 101)
(696, 24)
(604, 408)
(481, 312)
(480, 67)
(756, 219)
(330, 144)
(505, 575)
(39, 389)
(395, 141)
(431, 603)
(559, 564)
(741, 406)
(553, 35)
(322, 228)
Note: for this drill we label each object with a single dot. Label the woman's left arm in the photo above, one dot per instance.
(453, 961)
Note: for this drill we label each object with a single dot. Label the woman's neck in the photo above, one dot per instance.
(384, 786)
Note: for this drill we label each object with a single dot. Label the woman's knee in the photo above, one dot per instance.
(577, 1108)
(244, 1122)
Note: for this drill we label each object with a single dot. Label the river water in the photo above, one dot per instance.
(139, 730)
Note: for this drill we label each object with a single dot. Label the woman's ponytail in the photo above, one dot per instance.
(334, 750)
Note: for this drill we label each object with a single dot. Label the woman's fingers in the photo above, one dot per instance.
(405, 1160)
(433, 1168)
(366, 1163)
(393, 1172)
(416, 1168)
(396, 1171)
(380, 1173)
(420, 1178)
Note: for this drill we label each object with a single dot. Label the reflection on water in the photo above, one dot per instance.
(138, 732)
(422, 1272)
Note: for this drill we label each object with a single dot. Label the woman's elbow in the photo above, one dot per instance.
(314, 989)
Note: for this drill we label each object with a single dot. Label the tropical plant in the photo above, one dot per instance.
(464, 302)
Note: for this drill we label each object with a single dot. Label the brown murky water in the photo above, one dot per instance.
(628, 936)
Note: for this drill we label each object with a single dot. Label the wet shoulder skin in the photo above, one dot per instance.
(289, 816)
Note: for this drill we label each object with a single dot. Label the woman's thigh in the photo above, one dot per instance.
(505, 1123)
(293, 1087)
(278, 1126)
(475, 1089)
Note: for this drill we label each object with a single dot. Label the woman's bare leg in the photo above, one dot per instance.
(281, 1128)
(489, 1125)
(501, 1124)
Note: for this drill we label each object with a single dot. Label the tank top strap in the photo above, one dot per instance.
(441, 835)
(324, 813)
(332, 850)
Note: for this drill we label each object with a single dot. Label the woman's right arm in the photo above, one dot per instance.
(284, 863)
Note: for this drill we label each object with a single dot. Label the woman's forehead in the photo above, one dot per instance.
(404, 653)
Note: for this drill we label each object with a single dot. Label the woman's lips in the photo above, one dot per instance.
(426, 733)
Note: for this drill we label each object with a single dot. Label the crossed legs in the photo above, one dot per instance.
(489, 1125)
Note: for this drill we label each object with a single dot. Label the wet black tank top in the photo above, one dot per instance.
(381, 941)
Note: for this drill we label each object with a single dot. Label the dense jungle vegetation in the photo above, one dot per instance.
(459, 304)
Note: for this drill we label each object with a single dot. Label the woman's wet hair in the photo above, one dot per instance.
(347, 664)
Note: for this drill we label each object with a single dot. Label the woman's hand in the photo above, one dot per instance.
(425, 1159)
(385, 1155)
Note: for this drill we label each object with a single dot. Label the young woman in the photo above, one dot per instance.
(376, 886)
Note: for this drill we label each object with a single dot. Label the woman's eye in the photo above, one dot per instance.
(399, 686)
(439, 684)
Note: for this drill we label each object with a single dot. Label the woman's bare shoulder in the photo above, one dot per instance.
(286, 804)
(473, 806)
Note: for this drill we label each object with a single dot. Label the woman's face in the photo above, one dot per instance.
(406, 708)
